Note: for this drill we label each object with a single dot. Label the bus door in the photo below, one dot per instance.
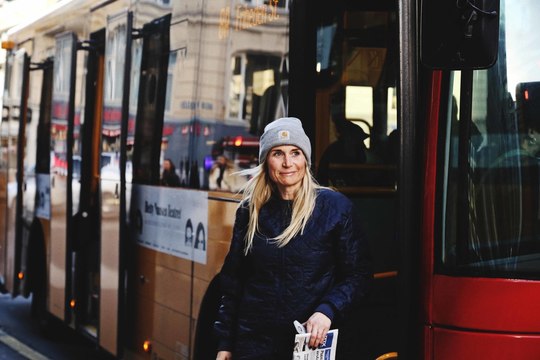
(85, 237)
(357, 143)
(37, 204)
(62, 121)
(27, 154)
(11, 174)
(116, 90)
(144, 288)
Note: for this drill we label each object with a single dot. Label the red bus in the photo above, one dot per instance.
(100, 93)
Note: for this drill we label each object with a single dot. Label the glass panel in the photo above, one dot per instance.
(44, 127)
(151, 101)
(60, 103)
(222, 97)
(12, 111)
(491, 211)
(356, 67)
(115, 56)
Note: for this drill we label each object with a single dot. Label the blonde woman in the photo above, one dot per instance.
(297, 253)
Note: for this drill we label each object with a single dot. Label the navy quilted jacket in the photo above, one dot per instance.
(324, 269)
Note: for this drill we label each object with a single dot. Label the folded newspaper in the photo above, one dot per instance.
(325, 351)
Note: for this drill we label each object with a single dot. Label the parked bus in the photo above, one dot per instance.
(99, 94)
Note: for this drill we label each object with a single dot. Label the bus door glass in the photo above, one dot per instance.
(83, 229)
(151, 101)
(42, 187)
(249, 59)
(144, 141)
(40, 77)
(113, 174)
(357, 142)
(496, 232)
(34, 137)
(487, 247)
(62, 124)
(15, 107)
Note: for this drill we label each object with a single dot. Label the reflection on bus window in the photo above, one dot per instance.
(253, 89)
(170, 80)
(492, 203)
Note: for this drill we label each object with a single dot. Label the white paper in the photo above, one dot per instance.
(325, 351)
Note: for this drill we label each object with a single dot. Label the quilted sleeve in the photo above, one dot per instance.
(354, 273)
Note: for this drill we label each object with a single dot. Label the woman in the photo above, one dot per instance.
(169, 176)
(297, 253)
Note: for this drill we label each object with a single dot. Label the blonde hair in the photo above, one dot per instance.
(258, 190)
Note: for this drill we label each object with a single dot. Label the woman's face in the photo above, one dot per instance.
(287, 168)
(166, 165)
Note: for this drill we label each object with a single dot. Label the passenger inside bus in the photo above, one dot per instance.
(349, 148)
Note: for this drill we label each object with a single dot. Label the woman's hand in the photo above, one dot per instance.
(224, 355)
(318, 325)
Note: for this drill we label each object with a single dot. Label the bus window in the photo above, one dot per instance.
(491, 184)
(253, 89)
(356, 67)
(151, 103)
(213, 120)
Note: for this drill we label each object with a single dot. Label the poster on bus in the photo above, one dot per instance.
(43, 196)
(170, 220)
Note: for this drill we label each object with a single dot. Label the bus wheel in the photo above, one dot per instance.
(205, 340)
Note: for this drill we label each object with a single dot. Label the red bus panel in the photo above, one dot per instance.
(496, 305)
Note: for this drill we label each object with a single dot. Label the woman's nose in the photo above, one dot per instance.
(287, 160)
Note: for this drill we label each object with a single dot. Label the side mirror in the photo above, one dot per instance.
(459, 34)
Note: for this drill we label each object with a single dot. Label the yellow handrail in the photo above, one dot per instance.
(386, 274)
(388, 356)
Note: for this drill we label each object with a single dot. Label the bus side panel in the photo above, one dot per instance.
(162, 283)
(464, 345)
(162, 303)
(57, 246)
(472, 302)
(109, 275)
(165, 329)
(221, 215)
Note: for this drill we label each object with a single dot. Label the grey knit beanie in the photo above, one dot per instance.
(284, 131)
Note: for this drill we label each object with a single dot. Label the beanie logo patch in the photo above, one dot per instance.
(284, 135)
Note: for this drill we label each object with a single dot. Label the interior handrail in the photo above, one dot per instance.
(385, 274)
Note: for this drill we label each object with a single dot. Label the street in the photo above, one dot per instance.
(21, 337)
